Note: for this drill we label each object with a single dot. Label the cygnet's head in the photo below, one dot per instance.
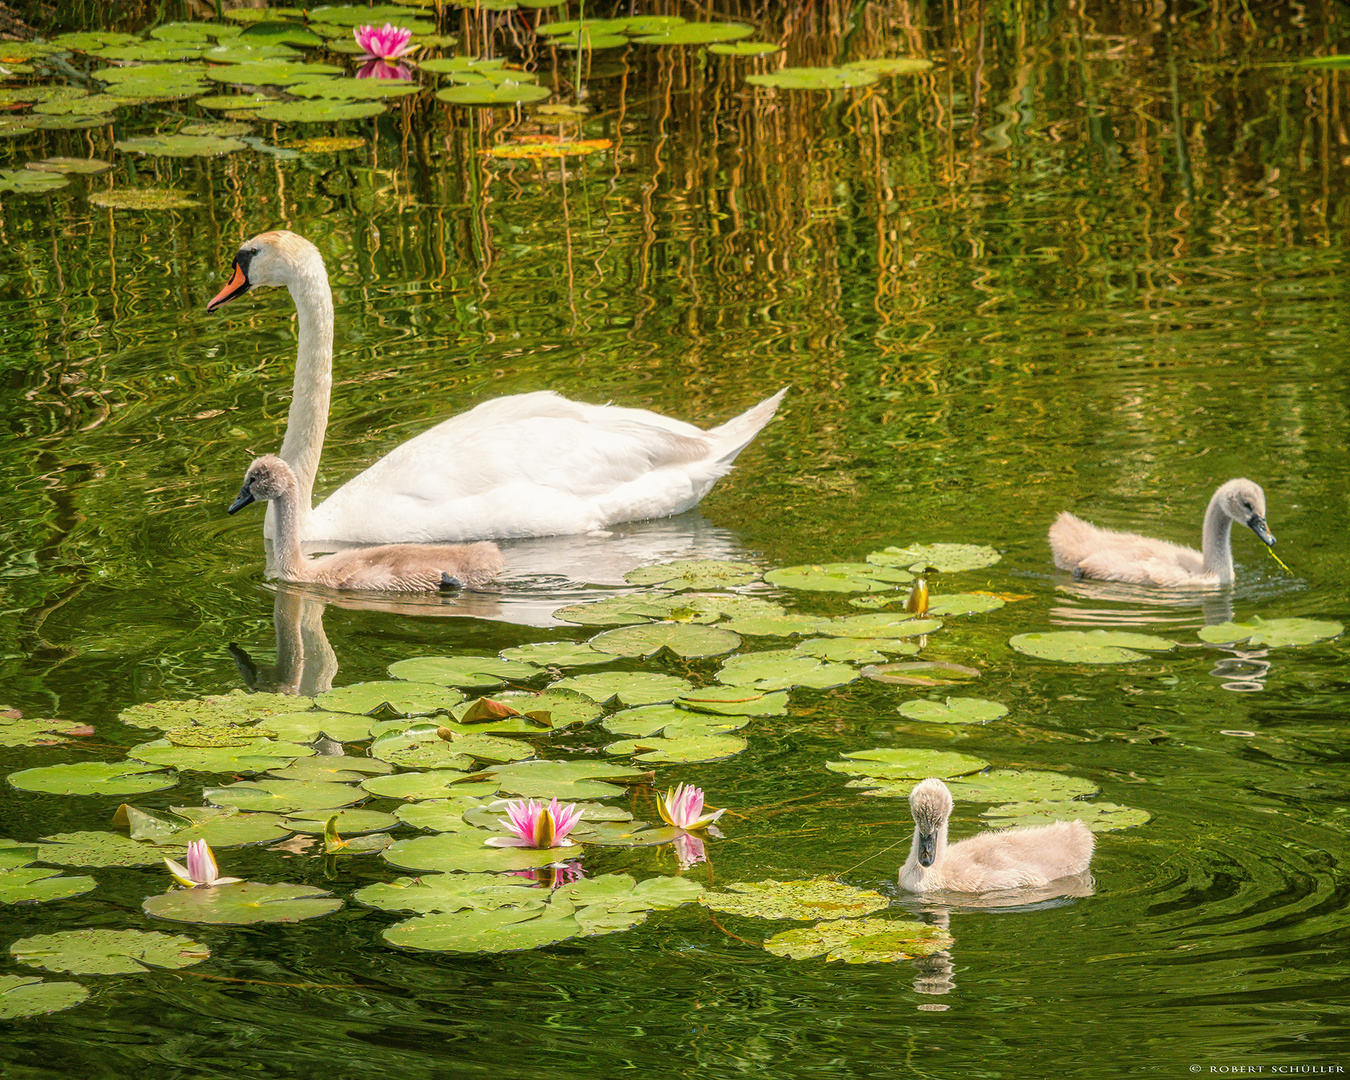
(931, 805)
(272, 258)
(1245, 502)
(267, 478)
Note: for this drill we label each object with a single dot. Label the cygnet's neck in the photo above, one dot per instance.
(312, 388)
(913, 873)
(290, 560)
(1217, 543)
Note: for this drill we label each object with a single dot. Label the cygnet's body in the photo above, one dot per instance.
(1119, 556)
(389, 567)
(1007, 859)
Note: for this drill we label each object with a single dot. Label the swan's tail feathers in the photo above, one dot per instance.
(738, 432)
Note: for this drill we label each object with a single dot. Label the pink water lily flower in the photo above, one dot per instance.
(537, 825)
(683, 808)
(201, 871)
(387, 42)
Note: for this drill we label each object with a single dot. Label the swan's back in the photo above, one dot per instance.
(1014, 858)
(532, 465)
(1109, 555)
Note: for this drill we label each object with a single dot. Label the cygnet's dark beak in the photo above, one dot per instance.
(237, 285)
(1257, 524)
(927, 848)
(241, 500)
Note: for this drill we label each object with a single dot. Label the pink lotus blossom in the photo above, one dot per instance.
(537, 825)
(201, 871)
(689, 850)
(683, 808)
(387, 42)
(384, 69)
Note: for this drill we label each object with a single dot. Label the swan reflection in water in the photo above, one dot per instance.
(542, 574)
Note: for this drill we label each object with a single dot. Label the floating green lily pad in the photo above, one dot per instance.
(108, 952)
(617, 610)
(560, 654)
(350, 89)
(465, 671)
(842, 650)
(304, 727)
(235, 707)
(269, 73)
(814, 78)
(694, 574)
(246, 52)
(243, 903)
(390, 699)
(35, 884)
(143, 199)
(465, 851)
(1097, 816)
(703, 33)
(963, 603)
(629, 687)
(94, 778)
(494, 94)
(77, 166)
(601, 26)
(838, 577)
(780, 669)
(683, 639)
(818, 898)
(781, 625)
(323, 111)
(745, 48)
(420, 747)
(735, 701)
(488, 748)
(880, 624)
(444, 815)
(284, 796)
(437, 784)
(921, 673)
(549, 710)
(18, 125)
(234, 102)
(97, 849)
(946, 558)
(29, 182)
(569, 781)
(893, 65)
(259, 755)
(444, 893)
(22, 995)
(910, 764)
(686, 748)
(35, 731)
(956, 710)
(1090, 646)
(861, 941)
(279, 33)
(1021, 786)
(1271, 633)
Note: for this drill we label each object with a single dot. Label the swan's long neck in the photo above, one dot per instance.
(289, 559)
(312, 390)
(1217, 545)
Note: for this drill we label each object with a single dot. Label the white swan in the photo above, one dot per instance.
(528, 465)
(390, 567)
(1108, 555)
(1007, 859)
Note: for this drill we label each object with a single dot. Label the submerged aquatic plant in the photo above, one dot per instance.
(201, 871)
(683, 808)
(537, 825)
(387, 42)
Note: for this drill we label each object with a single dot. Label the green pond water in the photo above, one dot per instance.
(1093, 259)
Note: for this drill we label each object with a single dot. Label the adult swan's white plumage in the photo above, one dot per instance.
(527, 465)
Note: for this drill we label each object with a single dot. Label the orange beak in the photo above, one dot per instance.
(238, 285)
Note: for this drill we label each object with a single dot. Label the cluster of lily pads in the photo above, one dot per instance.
(446, 772)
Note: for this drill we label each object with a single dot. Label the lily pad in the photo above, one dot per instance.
(628, 687)
(1272, 633)
(269, 73)
(735, 701)
(29, 182)
(243, 903)
(234, 102)
(780, 625)
(560, 654)
(108, 952)
(685, 640)
(334, 144)
(245, 52)
(437, 784)
(694, 574)
(465, 851)
(1022, 786)
(921, 673)
(322, 111)
(686, 748)
(957, 710)
(496, 94)
(143, 199)
(304, 727)
(838, 577)
(1097, 816)
(390, 699)
(745, 48)
(97, 849)
(813, 78)
(781, 668)
(880, 624)
(218, 709)
(963, 603)
(444, 893)
(617, 610)
(569, 781)
(443, 815)
(946, 558)
(284, 796)
(861, 941)
(817, 898)
(180, 145)
(910, 764)
(22, 995)
(349, 89)
(35, 731)
(842, 650)
(71, 165)
(34, 884)
(1090, 646)
(258, 756)
(465, 671)
(549, 710)
(94, 778)
(703, 33)
(420, 747)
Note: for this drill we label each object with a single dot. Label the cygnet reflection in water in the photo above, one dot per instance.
(990, 861)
